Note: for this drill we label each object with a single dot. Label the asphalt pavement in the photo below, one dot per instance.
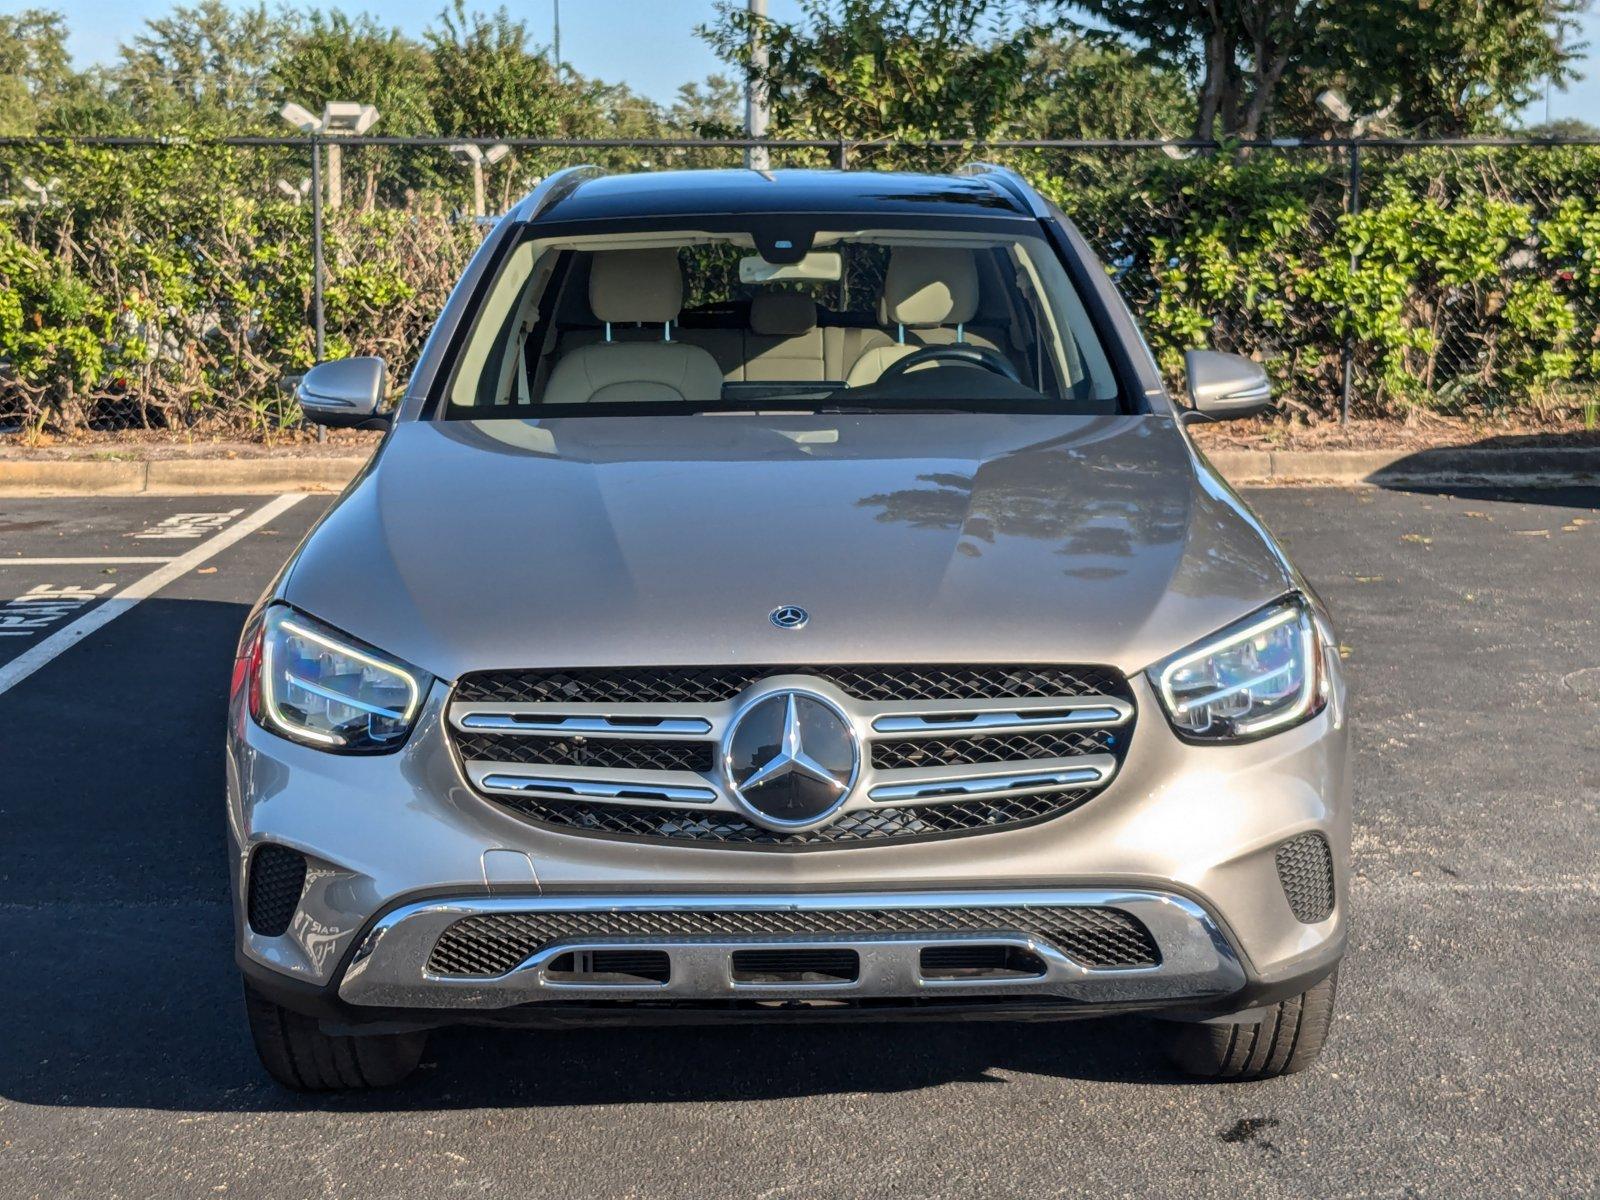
(1463, 1058)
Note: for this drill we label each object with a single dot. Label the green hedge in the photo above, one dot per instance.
(171, 287)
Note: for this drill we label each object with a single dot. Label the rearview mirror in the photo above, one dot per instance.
(820, 266)
(345, 393)
(1225, 386)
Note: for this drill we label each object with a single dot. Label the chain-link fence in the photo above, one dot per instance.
(176, 284)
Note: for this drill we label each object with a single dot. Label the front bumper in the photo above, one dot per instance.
(398, 845)
(391, 968)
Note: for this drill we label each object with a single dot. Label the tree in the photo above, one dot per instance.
(489, 79)
(1236, 51)
(916, 69)
(1454, 66)
(206, 68)
(35, 71)
(1083, 91)
(708, 109)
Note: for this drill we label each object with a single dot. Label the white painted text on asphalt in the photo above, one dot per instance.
(187, 525)
(40, 607)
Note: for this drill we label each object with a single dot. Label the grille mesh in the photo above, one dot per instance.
(715, 827)
(277, 877)
(965, 751)
(587, 752)
(494, 944)
(1305, 868)
(716, 684)
(706, 685)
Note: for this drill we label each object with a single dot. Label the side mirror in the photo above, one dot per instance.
(345, 393)
(1225, 386)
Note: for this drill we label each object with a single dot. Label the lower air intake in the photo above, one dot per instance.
(490, 945)
(1305, 868)
(277, 877)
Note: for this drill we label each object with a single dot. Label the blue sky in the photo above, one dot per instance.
(649, 44)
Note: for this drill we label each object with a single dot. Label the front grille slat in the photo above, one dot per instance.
(490, 945)
(709, 685)
(893, 754)
(862, 825)
(625, 691)
(627, 753)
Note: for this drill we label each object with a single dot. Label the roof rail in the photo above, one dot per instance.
(1012, 184)
(553, 188)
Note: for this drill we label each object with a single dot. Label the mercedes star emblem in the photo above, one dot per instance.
(788, 616)
(791, 758)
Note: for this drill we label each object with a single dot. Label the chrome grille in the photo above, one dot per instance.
(945, 750)
(486, 946)
(705, 685)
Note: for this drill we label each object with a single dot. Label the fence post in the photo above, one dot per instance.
(316, 244)
(316, 259)
(1352, 205)
(842, 155)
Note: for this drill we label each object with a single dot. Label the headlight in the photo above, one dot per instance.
(320, 687)
(1257, 676)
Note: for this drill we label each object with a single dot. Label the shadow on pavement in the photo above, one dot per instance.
(1469, 470)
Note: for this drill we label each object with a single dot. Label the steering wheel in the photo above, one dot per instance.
(963, 353)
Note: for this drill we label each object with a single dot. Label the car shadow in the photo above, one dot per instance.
(116, 970)
(1563, 463)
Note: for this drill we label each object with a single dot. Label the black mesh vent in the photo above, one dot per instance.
(277, 877)
(494, 944)
(1305, 868)
(726, 828)
(703, 685)
(937, 752)
(587, 752)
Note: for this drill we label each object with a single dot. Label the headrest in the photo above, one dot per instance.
(782, 314)
(930, 286)
(636, 285)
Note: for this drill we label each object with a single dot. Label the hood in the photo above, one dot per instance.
(668, 540)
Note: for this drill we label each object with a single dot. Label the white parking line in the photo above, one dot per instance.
(106, 561)
(25, 664)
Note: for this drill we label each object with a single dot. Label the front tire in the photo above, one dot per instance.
(296, 1053)
(1288, 1039)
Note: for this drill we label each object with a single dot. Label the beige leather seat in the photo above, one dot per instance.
(924, 289)
(784, 342)
(627, 286)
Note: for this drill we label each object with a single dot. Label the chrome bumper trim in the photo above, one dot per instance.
(390, 967)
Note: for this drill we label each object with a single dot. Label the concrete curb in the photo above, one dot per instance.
(1505, 465)
(249, 476)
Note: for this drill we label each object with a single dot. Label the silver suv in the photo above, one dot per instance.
(786, 596)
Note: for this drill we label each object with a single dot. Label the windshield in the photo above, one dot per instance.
(775, 318)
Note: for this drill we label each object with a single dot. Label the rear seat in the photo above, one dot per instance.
(784, 342)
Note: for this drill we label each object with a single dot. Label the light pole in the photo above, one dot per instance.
(756, 112)
(1332, 102)
(478, 157)
(340, 118)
